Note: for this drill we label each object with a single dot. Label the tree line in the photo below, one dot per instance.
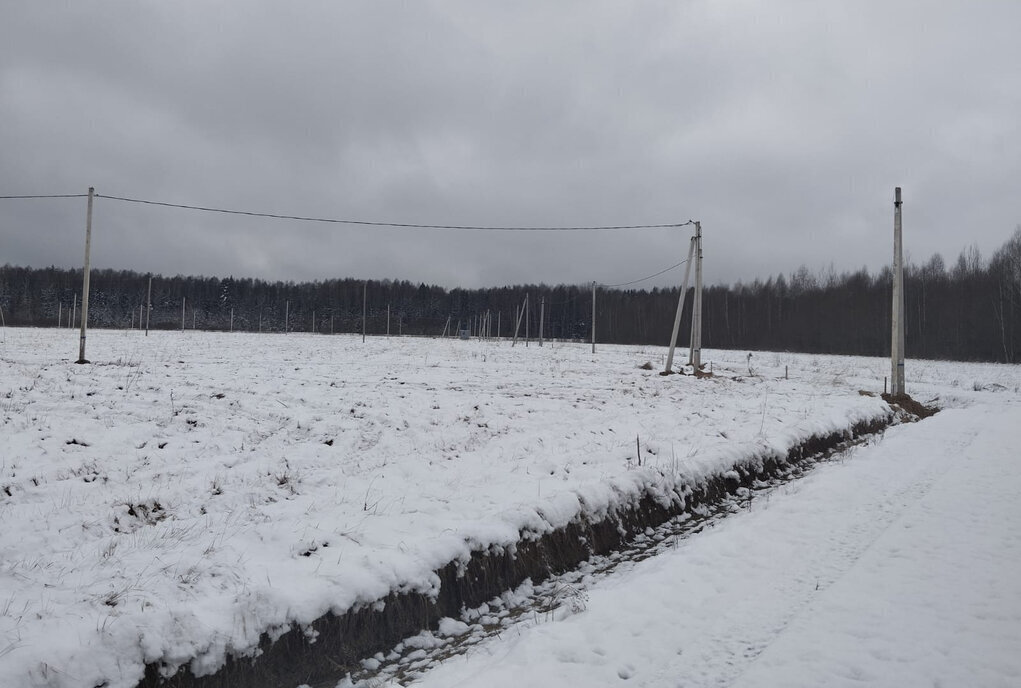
(970, 310)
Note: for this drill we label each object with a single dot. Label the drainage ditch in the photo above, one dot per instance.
(553, 563)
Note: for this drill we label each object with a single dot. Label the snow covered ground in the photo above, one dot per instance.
(188, 491)
(900, 566)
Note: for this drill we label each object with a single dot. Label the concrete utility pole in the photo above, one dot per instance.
(593, 317)
(149, 306)
(897, 333)
(85, 281)
(680, 308)
(696, 303)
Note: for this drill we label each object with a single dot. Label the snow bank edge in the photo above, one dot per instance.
(333, 645)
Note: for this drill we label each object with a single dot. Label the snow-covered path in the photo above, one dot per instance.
(897, 567)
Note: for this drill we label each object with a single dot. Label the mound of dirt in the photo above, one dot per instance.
(905, 402)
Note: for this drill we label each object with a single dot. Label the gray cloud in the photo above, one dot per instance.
(782, 126)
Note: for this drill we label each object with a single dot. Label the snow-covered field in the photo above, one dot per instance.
(187, 491)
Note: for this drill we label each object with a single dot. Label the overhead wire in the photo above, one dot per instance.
(643, 279)
(44, 196)
(377, 223)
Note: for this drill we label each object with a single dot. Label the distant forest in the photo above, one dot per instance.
(970, 310)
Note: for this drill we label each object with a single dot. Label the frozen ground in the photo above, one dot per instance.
(188, 491)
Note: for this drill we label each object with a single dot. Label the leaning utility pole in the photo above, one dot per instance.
(521, 313)
(680, 309)
(696, 303)
(897, 333)
(85, 281)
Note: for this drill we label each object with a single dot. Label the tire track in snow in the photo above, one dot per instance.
(869, 522)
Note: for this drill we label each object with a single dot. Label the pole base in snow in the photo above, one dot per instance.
(82, 360)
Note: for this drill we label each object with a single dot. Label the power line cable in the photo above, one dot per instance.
(625, 284)
(373, 223)
(622, 284)
(5, 198)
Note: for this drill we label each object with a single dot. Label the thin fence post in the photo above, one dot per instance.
(528, 335)
(542, 316)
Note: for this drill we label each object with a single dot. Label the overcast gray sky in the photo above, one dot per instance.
(782, 126)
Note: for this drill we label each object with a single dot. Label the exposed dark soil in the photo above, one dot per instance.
(912, 407)
(341, 641)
